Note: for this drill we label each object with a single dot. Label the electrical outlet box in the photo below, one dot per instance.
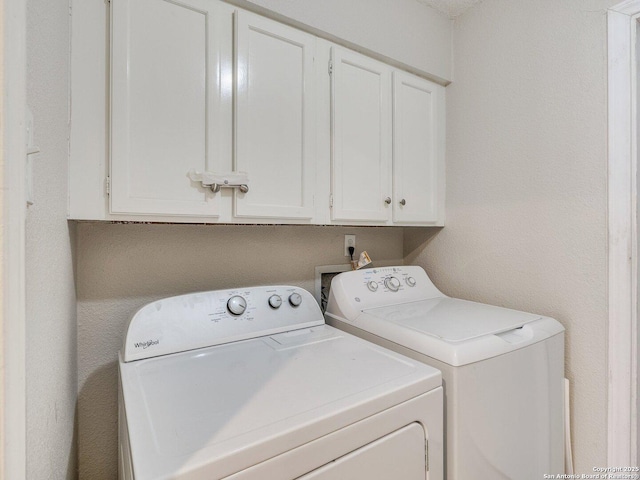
(349, 241)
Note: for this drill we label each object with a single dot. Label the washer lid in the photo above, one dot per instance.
(218, 410)
(452, 319)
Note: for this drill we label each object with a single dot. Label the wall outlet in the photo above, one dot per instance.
(349, 241)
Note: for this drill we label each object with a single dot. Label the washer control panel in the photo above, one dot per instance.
(388, 279)
(204, 319)
(377, 287)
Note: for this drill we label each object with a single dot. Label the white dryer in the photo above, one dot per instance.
(251, 384)
(502, 369)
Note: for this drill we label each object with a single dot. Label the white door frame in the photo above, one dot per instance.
(12, 228)
(622, 235)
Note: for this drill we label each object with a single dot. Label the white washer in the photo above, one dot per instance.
(251, 384)
(502, 369)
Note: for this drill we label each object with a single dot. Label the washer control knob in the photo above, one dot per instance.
(237, 305)
(373, 286)
(295, 299)
(275, 301)
(411, 281)
(392, 283)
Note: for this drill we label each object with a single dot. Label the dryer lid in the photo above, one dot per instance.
(224, 408)
(451, 319)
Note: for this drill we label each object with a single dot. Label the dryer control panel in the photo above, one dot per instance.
(369, 288)
(197, 320)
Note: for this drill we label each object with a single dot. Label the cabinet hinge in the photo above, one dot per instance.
(330, 67)
(330, 201)
(107, 185)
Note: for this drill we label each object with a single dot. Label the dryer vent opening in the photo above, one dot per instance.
(324, 275)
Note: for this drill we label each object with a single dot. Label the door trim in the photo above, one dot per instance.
(622, 235)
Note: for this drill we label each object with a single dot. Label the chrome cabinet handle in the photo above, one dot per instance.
(215, 181)
(387, 200)
(403, 202)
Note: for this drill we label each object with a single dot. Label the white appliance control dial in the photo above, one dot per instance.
(411, 281)
(295, 299)
(275, 301)
(236, 305)
(373, 286)
(392, 283)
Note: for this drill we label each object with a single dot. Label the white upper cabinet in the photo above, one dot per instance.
(295, 128)
(361, 137)
(375, 147)
(418, 150)
(165, 92)
(275, 119)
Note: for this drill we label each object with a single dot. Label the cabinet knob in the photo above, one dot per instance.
(387, 200)
(403, 202)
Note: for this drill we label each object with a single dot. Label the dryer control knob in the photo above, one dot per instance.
(236, 305)
(392, 283)
(373, 286)
(275, 301)
(295, 299)
(411, 281)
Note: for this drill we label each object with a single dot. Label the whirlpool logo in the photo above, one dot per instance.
(147, 344)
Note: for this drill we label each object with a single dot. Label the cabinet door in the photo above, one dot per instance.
(418, 150)
(361, 137)
(274, 119)
(166, 93)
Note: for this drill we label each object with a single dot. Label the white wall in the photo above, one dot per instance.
(12, 239)
(2, 289)
(122, 267)
(403, 30)
(51, 303)
(526, 183)
(3, 193)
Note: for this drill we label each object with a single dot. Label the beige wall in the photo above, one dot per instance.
(526, 183)
(51, 304)
(121, 267)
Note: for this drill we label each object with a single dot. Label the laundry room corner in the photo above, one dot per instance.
(195, 148)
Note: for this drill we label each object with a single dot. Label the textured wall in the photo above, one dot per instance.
(404, 30)
(3, 269)
(51, 304)
(451, 8)
(122, 267)
(526, 183)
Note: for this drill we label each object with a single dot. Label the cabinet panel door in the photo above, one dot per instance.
(418, 150)
(164, 92)
(361, 137)
(275, 128)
